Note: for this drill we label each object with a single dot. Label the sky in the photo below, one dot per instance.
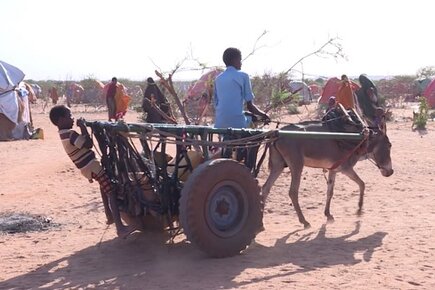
(76, 39)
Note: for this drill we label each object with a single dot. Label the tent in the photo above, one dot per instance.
(301, 88)
(316, 90)
(10, 77)
(421, 85)
(429, 93)
(199, 95)
(15, 119)
(203, 85)
(331, 88)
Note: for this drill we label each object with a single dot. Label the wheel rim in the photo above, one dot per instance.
(226, 208)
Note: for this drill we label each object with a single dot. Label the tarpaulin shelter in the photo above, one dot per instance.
(15, 118)
(301, 88)
(199, 95)
(331, 89)
(316, 90)
(203, 85)
(421, 85)
(429, 94)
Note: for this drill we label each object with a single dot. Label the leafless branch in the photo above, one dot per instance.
(168, 84)
(322, 52)
(177, 66)
(255, 48)
(158, 68)
(160, 112)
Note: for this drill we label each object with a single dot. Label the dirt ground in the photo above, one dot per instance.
(391, 246)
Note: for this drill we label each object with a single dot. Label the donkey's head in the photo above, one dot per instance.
(379, 150)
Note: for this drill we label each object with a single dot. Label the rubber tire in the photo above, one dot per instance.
(196, 197)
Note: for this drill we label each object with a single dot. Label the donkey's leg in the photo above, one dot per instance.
(329, 194)
(277, 165)
(296, 172)
(352, 175)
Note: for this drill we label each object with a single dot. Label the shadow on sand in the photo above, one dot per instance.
(144, 261)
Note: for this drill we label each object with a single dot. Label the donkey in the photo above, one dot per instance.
(336, 156)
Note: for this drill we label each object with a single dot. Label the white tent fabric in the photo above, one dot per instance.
(9, 106)
(14, 104)
(10, 76)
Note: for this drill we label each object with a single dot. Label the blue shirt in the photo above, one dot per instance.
(231, 90)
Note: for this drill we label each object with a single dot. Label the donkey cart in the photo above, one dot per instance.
(207, 189)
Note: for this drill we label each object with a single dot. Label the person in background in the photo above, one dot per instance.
(110, 99)
(332, 103)
(153, 101)
(345, 95)
(53, 95)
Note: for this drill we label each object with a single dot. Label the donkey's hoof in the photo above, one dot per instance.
(330, 219)
(359, 212)
(307, 225)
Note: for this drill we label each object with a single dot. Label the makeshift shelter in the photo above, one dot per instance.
(421, 85)
(74, 93)
(316, 90)
(301, 88)
(15, 118)
(331, 88)
(199, 95)
(429, 94)
(202, 86)
(37, 89)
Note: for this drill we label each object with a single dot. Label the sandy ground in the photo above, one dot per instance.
(391, 246)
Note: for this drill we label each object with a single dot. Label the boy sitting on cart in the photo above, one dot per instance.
(232, 90)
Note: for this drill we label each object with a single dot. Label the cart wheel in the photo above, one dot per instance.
(220, 207)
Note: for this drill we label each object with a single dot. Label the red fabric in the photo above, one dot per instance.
(315, 89)
(429, 93)
(345, 95)
(331, 89)
(104, 181)
(111, 91)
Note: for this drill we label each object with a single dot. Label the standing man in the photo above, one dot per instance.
(232, 89)
(110, 99)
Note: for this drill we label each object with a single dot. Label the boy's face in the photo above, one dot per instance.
(67, 121)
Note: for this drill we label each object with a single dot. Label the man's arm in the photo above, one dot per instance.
(255, 110)
(249, 97)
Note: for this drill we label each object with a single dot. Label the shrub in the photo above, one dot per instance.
(420, 119)
(292, 109)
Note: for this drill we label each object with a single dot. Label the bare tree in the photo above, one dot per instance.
(323, 51)
(426, 72)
